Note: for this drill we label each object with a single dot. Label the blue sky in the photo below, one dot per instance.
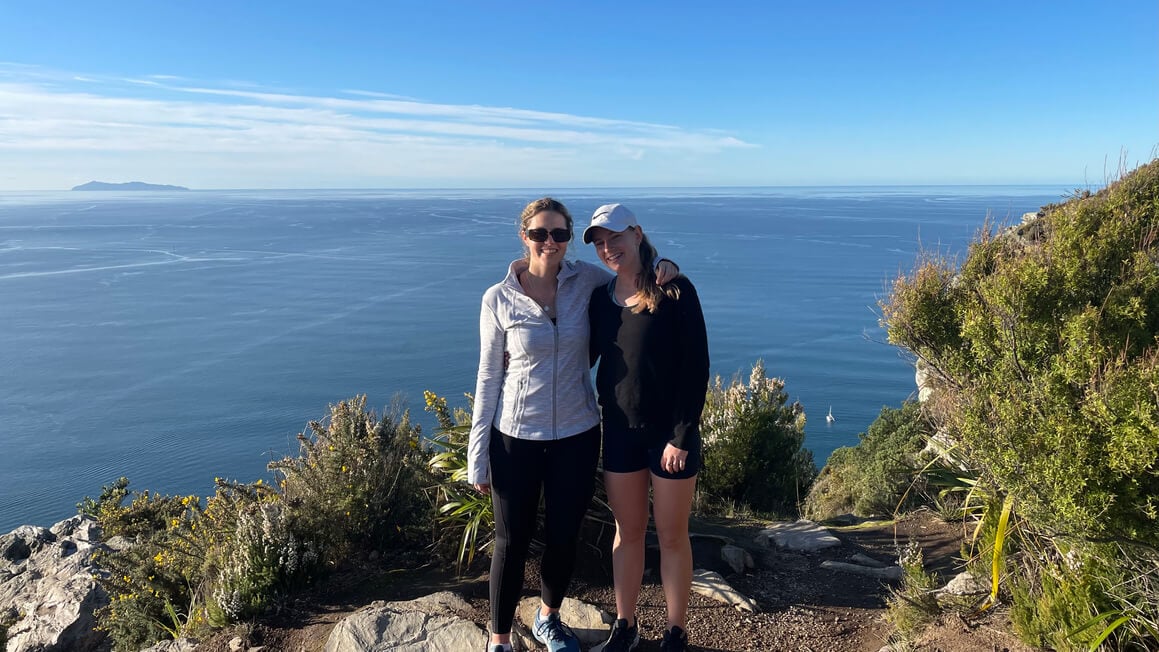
(470, 94)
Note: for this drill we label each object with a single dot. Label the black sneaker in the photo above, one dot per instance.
(622, 638)
(675, 640)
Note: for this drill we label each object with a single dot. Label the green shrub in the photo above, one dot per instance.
(871, 477)
(1051, 605)
(912, 605)
(1043, 351)
(358, 485)
(357, 481)
(153, 578)
(753, 445)
(145, 514)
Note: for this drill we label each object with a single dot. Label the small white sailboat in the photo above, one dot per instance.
(829, 418)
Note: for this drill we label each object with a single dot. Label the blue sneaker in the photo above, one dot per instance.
(554, 634)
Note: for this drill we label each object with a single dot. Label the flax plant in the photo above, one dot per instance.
(462, 510)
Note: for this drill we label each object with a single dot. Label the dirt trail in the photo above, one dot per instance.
(803, 606)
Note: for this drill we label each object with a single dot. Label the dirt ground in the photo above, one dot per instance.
(803, 607)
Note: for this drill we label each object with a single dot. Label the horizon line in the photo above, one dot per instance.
(1072, 185)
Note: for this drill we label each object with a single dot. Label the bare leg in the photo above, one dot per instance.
(671, 505)
(628, 498)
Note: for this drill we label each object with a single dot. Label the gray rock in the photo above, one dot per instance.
(866, 560)
(590, 623)
(925, 379)
(891, 573)
(737, 558)
(51, 589)
(844, 519)
(79, 528)
(965, 584)
(19, 544)
(712, 585)
(802, 536)
(119, 543)
(429, 624)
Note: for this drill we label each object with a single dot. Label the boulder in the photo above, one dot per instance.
(737, 558)
(966, 583)
(590, 623)
(434, 623)
(47, 587)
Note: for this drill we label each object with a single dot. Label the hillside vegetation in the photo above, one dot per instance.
(1042, 348)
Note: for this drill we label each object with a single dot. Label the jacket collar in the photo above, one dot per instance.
(566, 270)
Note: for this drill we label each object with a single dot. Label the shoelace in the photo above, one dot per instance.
(555, 630)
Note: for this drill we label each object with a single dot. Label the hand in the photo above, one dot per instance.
(482, 487)
(672, 459)
(666, 271)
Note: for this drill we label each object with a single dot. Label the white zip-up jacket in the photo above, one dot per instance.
(545, 391)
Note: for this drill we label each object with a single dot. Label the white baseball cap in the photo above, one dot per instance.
(613, 217)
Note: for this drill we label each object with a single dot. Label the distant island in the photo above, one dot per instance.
(132, 185)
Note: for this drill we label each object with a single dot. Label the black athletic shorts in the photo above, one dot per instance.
(627, 450)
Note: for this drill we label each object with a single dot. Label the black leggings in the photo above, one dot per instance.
(565, 470)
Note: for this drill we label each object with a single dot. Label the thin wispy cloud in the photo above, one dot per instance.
(48, 111)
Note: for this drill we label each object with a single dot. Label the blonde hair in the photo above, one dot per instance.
(649, 293)
(539, 206)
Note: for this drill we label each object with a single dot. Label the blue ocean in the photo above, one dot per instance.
(175, 337)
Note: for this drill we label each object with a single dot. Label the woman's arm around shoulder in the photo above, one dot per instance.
(694, 364)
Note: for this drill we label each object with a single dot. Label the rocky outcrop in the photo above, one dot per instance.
(47, 590)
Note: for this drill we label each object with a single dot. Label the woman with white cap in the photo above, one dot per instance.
(535, 427)
(652, 347)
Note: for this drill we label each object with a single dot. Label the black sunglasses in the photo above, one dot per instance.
(540, 235)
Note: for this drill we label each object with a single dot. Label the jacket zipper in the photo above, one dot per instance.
(555, 378)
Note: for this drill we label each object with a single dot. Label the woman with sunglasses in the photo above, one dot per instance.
(652, 348)
(535, 426)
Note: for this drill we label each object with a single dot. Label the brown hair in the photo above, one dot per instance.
(649, 293)
(539, 206)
